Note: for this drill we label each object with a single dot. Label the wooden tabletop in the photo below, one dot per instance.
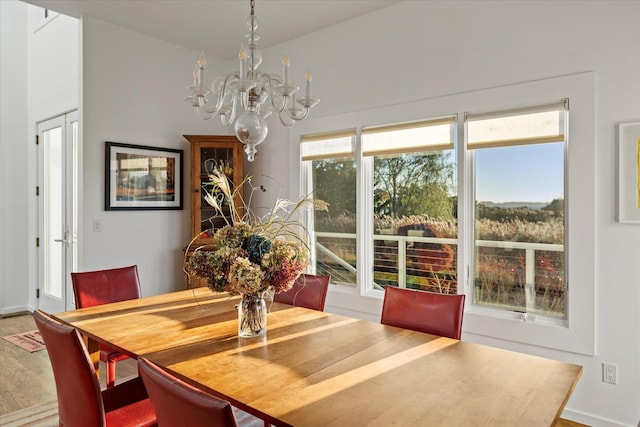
(319, 369)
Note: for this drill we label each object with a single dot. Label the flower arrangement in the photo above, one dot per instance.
(249, 254)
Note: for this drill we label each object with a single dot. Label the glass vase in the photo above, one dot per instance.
(252, 315)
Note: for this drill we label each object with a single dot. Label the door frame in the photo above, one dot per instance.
(72, 165)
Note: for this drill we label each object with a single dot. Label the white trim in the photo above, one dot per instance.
(590, 420)
(39, 21)
(579, 334)
(4, 311)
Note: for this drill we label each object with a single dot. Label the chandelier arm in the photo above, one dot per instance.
(284, 123)
(223, 117)
(269, 83)
(202, 105)
(244, 100)
(295, 118)
(220, 98)
(269, 78)
(224, 121)
(202, 115)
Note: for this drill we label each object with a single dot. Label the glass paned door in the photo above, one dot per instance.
(57, 160)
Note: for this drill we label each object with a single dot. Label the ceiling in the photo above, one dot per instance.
(217, 27)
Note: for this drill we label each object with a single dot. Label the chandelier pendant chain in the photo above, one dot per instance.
(257, 94)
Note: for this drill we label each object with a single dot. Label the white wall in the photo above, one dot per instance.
(133, 89)
(39, 81)
(421, 50)
(128, 88)
(13, 156)
(52, 89)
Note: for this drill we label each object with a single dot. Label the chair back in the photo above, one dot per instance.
(79, 399)
(437, 314)
(180, 404)
(105, 286)
(309, 291)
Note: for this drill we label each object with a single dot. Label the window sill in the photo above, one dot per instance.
(540, 331)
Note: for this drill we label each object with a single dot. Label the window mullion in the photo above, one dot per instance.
(307, 215)
(465, 211)
(364, 207)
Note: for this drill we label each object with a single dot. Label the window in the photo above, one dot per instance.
(499, 206)
(413, 204)
(519, 238)
(330, 162)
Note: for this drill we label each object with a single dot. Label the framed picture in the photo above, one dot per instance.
(629, 170)
(139, 177)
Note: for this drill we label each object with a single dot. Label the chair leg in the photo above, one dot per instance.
(111, 373)
(267, 424)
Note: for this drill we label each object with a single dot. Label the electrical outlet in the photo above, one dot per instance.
(97, 225)
(609, 373)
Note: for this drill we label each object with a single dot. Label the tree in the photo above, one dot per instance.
(557, 207)
(335, 184)
(414, 184)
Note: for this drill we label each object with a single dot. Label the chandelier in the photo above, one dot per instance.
(258, 94)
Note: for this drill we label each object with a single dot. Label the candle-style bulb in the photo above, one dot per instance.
(285, 70)
(202, 61)
(307, 91)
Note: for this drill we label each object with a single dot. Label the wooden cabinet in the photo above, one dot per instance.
(207, 152)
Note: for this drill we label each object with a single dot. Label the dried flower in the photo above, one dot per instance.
(249, 254)
(245, 276)
(256, 246)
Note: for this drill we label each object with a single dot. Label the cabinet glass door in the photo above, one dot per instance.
(210, 158)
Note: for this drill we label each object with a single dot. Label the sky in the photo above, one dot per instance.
(532, 173)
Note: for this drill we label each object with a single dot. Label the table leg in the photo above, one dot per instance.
(94, 352)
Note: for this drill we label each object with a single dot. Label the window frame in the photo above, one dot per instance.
(577, 333)
(307, 217)
(475, 147)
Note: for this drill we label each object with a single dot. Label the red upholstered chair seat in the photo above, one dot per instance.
(437, 314)
(309, 291)
(180, 404)
(99, 287)
(80, 401)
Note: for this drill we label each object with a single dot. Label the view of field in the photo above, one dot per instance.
(519, 252)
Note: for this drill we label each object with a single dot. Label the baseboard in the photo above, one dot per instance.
(45, 415)
(591, 420)
(14, 311)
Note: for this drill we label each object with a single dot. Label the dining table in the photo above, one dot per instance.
(314, 368)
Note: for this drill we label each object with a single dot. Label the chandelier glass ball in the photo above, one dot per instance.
(251, 129)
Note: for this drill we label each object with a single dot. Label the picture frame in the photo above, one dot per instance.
(139, 177)
(629, 172)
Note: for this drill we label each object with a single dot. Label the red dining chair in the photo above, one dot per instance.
(309, 291)
(92, 288)
(180, 404)
(437, 314)
(80, 401)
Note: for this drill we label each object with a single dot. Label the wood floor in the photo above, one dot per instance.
(26, 379)
(27, 388)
